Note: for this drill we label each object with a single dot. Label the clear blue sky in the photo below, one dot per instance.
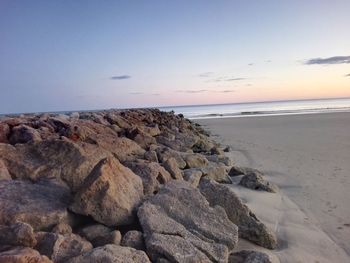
(71, 55)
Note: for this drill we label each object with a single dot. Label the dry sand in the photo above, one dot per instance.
(308, 157)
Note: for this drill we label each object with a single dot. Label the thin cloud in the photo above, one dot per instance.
(192, 91)
(329, 61)
(225, 79)
(121, 77)
(268, 61)
(205, 74)
(347, 75)
(226, 91)
(136, 93)
(250, 64)
(235, 79)
(155, 94)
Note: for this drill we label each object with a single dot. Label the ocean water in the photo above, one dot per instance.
(262, 108)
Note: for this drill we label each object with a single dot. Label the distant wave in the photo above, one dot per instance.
(267, 113)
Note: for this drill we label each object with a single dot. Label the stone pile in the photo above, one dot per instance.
(136, 185)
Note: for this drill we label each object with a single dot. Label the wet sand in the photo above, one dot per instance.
(308, 157)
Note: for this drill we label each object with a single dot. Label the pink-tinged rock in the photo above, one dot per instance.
(110, 194)
(22, 255)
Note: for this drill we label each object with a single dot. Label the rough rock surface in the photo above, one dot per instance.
(4, 132)
(193, 176)
(22, 255)
(23, 134)
(110, 194)
(100, 235)
(112, 254)
(217, 172)
(153, 175)
(249, 256)
(59, 248)
(195, 160)
(4, 173)
(249, 226)
(19, 234)
(62, 228)
(180, 226)
(257, 182)
(240, 170)
(63, 159)
(133, 239)
(165, 153)
(172, 167)
(42, 205)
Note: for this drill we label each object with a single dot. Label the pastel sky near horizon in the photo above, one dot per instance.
(78, 55)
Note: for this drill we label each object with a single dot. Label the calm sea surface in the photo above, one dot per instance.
(262, 108)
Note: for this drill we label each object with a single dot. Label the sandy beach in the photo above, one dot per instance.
(307, 156)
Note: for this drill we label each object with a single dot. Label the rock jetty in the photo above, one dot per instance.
(138, 185)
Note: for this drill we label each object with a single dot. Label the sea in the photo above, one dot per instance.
(266, 108)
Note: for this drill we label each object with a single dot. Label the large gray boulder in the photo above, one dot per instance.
(42, 205)
(250, 227)
(18, 234)
(217, 172)
(112, 254)
(165, 153)
(180, 226)
(110, 194)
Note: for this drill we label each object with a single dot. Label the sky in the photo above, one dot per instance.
(78, 55)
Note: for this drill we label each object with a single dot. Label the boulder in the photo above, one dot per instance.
(249, 256)
(151, 156)
(172, 167)
(100, 235)
(18, 234)
(42, 205)
(122, 148)
(63, 159)
(4, 173)
(59, 248)
(216, 150)
(202, 146)
(22, 255)
(141, 138)
(62, 228)
(180, 226)
(152, 174)
(133, 239)
(193, 176)
(195, 160)
(257, 182)
(216, 172)
(112, 253)
(23, 134)
(152, 130)
(250, 227)
(240, 170)
(219, 159)
(165, 153)
(4, 132)
(110, 194)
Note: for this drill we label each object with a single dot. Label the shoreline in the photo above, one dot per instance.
(305, 155)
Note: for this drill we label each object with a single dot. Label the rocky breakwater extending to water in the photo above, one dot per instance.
(122, 186)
